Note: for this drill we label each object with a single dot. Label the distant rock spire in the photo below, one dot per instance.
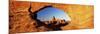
(54, 18)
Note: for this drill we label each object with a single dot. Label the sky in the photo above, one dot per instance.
(48, 13)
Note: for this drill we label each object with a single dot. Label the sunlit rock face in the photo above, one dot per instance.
(49, 12)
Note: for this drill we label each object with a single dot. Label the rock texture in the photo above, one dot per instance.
(20, 21)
